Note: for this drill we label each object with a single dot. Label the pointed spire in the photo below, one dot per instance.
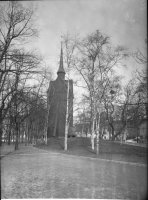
(61, 68)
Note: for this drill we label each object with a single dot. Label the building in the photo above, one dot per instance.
(143, 130)
(57, 103)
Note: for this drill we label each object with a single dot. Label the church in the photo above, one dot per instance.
(57, 103)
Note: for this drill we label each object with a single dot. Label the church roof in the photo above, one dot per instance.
(61, 67)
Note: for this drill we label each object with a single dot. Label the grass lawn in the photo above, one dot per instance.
(107, 149)
(55, 173)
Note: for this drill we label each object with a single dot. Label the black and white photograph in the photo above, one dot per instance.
(73, 99)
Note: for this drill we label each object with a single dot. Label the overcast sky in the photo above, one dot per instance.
(123, 20)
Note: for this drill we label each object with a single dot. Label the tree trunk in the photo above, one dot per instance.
(22, 137)
(110, 135)
(33, 140)
(9, 136)
(25, 139)
(112, 130)
(45, 133)
(67, 115)
(92, 135)
(30, 137)
(26, 132)
(93, 116)
(97, 136)
(1, 132)
(121, 138)
(16, 140)
(97, 142)
(7, 133)
(82, 129)
(56, 122)
(19, 135)
(86, 132)
(13, 136)
(10, 133)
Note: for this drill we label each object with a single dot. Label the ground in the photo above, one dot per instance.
(33, 172)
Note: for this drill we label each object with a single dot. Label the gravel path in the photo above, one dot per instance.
(34, 173)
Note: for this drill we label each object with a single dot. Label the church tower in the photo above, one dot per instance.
(57, 103)
(61, 71)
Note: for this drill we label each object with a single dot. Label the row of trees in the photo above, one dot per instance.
(23, 82)
(22, 78)
(95, 60)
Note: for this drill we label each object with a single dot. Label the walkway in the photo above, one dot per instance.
(133, 143)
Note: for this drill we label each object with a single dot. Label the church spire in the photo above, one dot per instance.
(61, 71)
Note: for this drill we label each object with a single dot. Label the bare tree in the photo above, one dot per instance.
(111, 99)
(141, 75)
(17, 25)
(95, 62)
(69, 46)
(124, 108)
(139, 56)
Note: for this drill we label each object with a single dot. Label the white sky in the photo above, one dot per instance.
(123, 20)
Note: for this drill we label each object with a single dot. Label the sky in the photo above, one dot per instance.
(124, 21)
